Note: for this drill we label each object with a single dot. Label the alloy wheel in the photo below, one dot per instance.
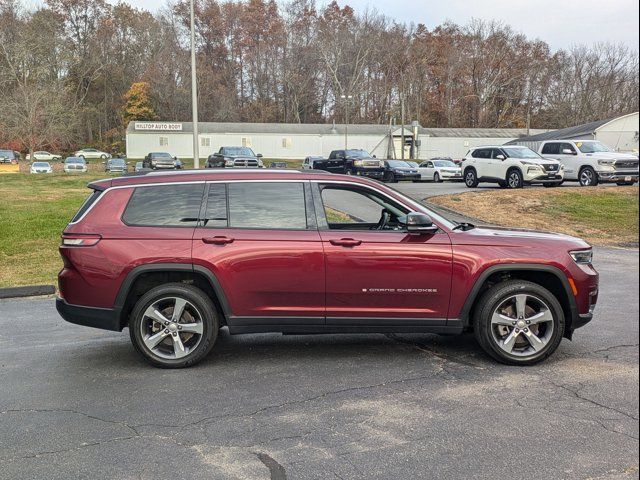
(522, 325)
(514, 180)
(470, 179)
(171, 328)
(586, 177)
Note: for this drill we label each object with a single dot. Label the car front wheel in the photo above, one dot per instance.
(174, 325)
(471, 178)
(514, 179)
(588, 177)
(519, 322)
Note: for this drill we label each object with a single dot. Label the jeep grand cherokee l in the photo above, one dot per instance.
(176, 256)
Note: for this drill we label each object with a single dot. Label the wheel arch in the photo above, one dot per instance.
(547, 276)
(144, 277)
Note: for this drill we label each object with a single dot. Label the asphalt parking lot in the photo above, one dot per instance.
(80, 403)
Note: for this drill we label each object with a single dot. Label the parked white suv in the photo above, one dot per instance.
(591, 162)
(510, 166)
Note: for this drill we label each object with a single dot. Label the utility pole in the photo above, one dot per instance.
(194, 92)
(347, 99)
(402, 122)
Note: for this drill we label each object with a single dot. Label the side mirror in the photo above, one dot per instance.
(500, 157)
(175, 158)
(374, 156)
(567, 151)
(259, 155)
(420, 224)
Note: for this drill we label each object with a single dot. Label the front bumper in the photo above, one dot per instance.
(103, 318)
(369, 173)
(617, 176)
(163, 165)
(550, 177)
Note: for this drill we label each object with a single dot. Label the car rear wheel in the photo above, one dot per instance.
(588, 177)
(471, 178)
(519, 322)
(514, 179)
(174, 325)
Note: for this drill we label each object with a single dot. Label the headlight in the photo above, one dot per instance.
(606, 162)
(582, 256)
(228, 162)
(357, 163)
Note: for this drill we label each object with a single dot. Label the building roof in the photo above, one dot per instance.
(329, 129)
(566, 133)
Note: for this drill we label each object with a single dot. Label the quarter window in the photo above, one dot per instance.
(164, 206)
(277, 205)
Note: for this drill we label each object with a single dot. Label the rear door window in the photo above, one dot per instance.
(164, 206)
(272, 205)
(482, 153)
(551, 149)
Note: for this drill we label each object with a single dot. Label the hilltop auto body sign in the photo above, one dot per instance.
(172, 127)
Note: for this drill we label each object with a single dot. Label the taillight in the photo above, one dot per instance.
(80, 240)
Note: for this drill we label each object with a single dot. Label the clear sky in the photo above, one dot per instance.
(561, 23)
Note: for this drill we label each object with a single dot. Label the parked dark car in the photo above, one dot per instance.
(9, 156)
(160, 160)
(175, 257)
(235, 157)
(399, 170)
(116, 165)
(278, 165)
(351, 162)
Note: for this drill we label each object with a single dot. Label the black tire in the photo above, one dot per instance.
(497, 295)
(203, 305)
(514, 179)
(588, 177)
(471, 178)
(436, 178)
(389, 177)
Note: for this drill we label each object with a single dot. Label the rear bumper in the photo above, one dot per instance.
(103, 318)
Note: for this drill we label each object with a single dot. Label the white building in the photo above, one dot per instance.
(620, 134)
(296, 141)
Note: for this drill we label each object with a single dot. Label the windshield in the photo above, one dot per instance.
(6, 153)
(74, 160)
(40, 164)
(413, 164)
(520, 152)
(161, 155)
(357, 154)
(398, 164)
(592, 147)
(118, 162)
(444, 163)
(238, 151)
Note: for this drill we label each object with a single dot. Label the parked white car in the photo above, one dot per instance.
(40, 167)
(591, 162)
(92, 154)
(307, 163)
(75, 165)
(42, 156)
(510, 166)
(439, 170)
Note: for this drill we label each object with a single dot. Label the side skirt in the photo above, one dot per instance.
(307, 326)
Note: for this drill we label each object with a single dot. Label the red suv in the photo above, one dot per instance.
(176, 256)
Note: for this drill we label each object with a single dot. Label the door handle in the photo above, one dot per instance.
(345, 242)
(218, 240)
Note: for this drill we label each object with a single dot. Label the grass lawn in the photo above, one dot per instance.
(601, 215)
(34, 211)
